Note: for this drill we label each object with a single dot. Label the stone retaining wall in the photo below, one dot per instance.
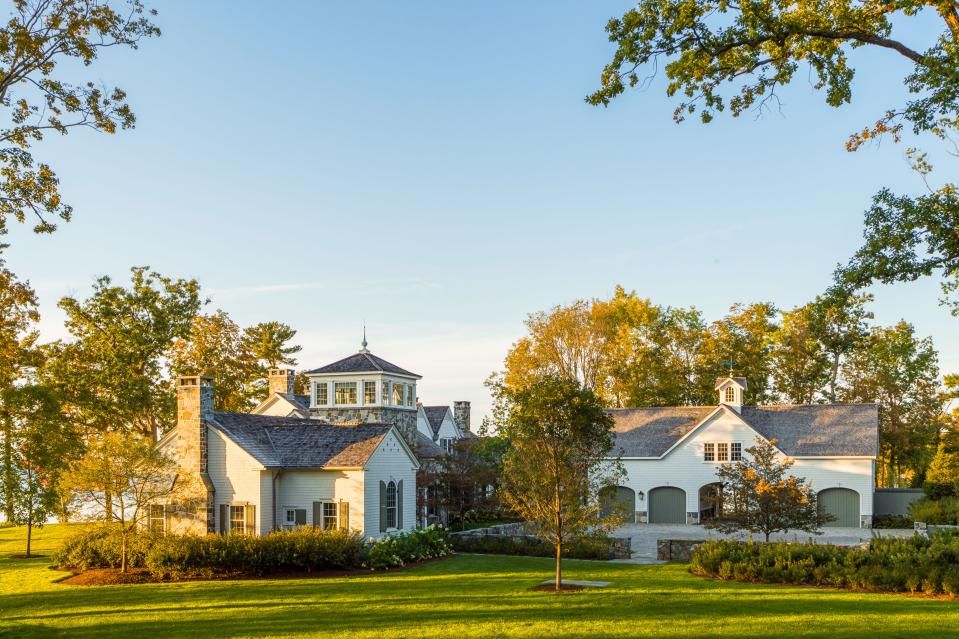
(677, 549)
(620, 547)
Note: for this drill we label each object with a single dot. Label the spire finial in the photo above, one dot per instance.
(364, 344)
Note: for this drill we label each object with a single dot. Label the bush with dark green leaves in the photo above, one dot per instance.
(900, 522)
(593, 548)
(889, 564)
(943, 511)
(401, 549)
(100, 548)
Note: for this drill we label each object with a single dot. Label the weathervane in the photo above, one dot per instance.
(730, 364)
(364, 349)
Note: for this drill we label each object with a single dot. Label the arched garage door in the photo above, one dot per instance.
(841, 503)
(622, 499)
(667, 505)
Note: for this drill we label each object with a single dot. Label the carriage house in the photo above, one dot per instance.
(671, 454)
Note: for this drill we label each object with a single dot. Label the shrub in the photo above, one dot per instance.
(887, 565)
(593, 548)
(100, 548)
(935, 511)
(892, 521)
(418, 545)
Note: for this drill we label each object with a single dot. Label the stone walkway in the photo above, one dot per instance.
(644, 536)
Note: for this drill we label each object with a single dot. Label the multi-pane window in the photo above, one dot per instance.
(391, 505)
(409, 395)
(447, 445)
(709, 452)
(345, 393)
(398, 394)
(238, 520)
(722, 452)
(322, 394)
(330, 515)
(730, 394)
(386, 393)
(735, 451)
(157, 518)
(369, 393)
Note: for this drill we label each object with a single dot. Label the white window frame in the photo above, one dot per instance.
(735, 451)
(324, 518)
(730, 395)
(161, 519)
(709, 452)
(410, 391)
(325, 387)
(385, 393)
(346, 387)
(366, 395)
(234, 529)
(722, 451)
(402, 394)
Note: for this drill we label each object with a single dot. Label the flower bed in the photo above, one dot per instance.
(916, 564)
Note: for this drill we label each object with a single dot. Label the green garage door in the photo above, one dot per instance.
(622, 499)
(841, 503)
(667, 505)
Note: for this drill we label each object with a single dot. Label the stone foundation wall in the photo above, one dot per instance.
(404, 420)
(677, 549)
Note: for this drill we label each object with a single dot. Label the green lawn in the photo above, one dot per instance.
(460, 597)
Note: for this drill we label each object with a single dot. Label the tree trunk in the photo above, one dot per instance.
(559, 566)
(767, 538)
(123, 551)
(29, 534)
(9, 481)
(108, 505)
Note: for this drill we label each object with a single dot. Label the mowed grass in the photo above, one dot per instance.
(459, 597)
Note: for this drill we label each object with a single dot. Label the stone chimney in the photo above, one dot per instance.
(194, 406)
(461, 415)
(282, 380)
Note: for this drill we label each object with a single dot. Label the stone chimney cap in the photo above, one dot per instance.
(194, 380)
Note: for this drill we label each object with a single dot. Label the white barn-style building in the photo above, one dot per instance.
(671, 454)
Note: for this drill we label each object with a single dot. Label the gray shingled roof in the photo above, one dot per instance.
(292, 442)
(649, 432)
(818, 430)
(435, 415)
(301, 401)
(426, 449)
(813, 430)
(361, 363)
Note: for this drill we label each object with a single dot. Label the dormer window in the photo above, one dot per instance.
(730, 395)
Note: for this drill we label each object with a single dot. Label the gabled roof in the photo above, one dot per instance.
(818, 430)
(362, 363)
(722, 380)
(293, 442)
(650, 432)
(435, 416)
(425, 448)
(800, 430)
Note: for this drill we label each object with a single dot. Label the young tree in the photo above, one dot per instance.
(759, 495)
(734, 56)
(42, 442)
(39, 36)
(558, 460)
(898, 371)
(268, 343)
(114, 373)
(129, 469)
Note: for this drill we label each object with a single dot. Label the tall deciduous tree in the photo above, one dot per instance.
(558, 460)
(734, 56)
(216, 347)
(125, 474)
(761, 496)
(801, 365)
(899, 372)
(838, 320)
(39, 36)
(18, 337)
(114, 373)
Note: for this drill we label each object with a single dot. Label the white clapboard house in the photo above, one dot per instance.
(671, 454)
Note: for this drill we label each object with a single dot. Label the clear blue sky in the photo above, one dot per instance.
(433, 169)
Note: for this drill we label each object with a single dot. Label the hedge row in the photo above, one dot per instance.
(944, 511)
(887, 565)
(303, 550)
(598, 548)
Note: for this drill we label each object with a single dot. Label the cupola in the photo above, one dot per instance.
(731, 391)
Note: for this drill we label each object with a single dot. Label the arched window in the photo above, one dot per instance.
(730, 395)
(391, 505)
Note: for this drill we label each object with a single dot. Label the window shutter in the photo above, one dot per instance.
(344, 518)
(167, 516)
(224, 519)
(382, 506)
(399, 505)
(300, 516)
(317, 514)
(250, 520)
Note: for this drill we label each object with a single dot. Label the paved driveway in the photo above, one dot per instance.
(644, 536)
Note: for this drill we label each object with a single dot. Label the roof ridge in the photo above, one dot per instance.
(369, 358)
